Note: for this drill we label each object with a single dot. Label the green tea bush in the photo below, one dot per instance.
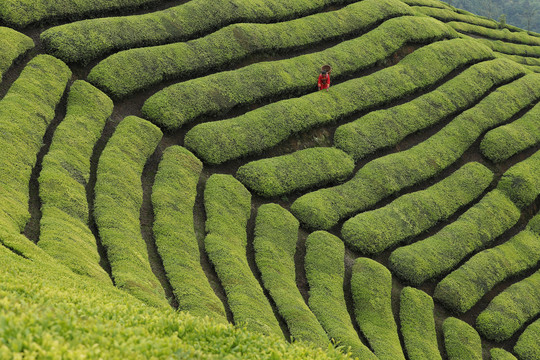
(325, 271)
(392, 173)
(305, 169)
(64, 231)
(86, 40)
(429, 3)
(527, 347)
(448, 15)
(523, 60)
(228, 208)
(117, 207)
(511, 49)
(505, 141)
(464, 287)
(387, 127)
(500, 354)
(440, 253)
(173, 198)
(496, 34)
(276, 234)
(461, 340)
(233, 43)
(217, 93)
(371, 287)
(25, 113)
(521, 182)
(418, 325)
(258, 130)
(374, 231)
(13, 45)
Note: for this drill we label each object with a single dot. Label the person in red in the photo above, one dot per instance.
(324, 80)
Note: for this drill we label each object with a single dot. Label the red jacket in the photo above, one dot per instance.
(320, 81)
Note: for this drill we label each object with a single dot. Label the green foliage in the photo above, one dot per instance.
(371, 287)
(430, 3)
(64, 231)
(228, 208)
(527, 347)
(325, 270)
(233, 43)
(523, 60)
(418, 325)
(258, 130)
(387, 127)
(85, 40)
(465, 286)
(511, 309)
(298, 171)
(473, 230)
(521, 182)
(505, 141)
(118, 200)
(389, 174)
(461, 340)
(25, 113)
(13, 45)
(173, 198)
(276, 234)
(500, 354)
(447, 15)
(496, 34)
(511, 49)
(374, 231)
(213, 94)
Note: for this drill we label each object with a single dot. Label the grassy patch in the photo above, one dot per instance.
(461, 340)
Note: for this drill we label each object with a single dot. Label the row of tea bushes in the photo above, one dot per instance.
(429, 3)
(387, 127)
(228, 208)
(523, 60)
(527, 346)
(461, 340)
(276, 235)
(325, 271)
(298, 171)
(496, 34)
(259, 130)
(501, 354)
(173, 199)
(372, 232)
(13, 45)
(64, 231)
(447, 15)
(218, 93)
(126, 72)
(389, 174)
(86, 40)
(512, 49)
(118, 200)
(505, 141)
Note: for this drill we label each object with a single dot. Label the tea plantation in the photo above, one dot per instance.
(173, 185)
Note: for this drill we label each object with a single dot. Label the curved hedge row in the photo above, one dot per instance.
(521, 182)
(304, 169)
(217, 93)
(387, 127)
(13, 45)
(511, 49)
(25, 113)
(118, 200)
(64, 231)
(429, 3)
(228, 208)
(85, 40)
(371, 287)
(505, 141)
(461, 289)
(418, 325)
(374, 231)
(276, 234)
(325, 271)
(173, 198)
(500, 354)
(523, 60)
(461, 340)
(496, 34)
(389, 174)
(448, 15)
(152, 65)
(527, 345)
(258, 130)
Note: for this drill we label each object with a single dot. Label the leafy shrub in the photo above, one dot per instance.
(305, 169)
(417, 325)
(228, 208)
(500, 354)
(371, 287)
(173, 198)
(374, 231)
(527, 345)
(325, 270)
(64, 231)
(496, 34)
(461, 340)
(13, 45)
(276, 234)
(117, 207)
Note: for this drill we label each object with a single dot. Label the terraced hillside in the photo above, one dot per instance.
(173, 185)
